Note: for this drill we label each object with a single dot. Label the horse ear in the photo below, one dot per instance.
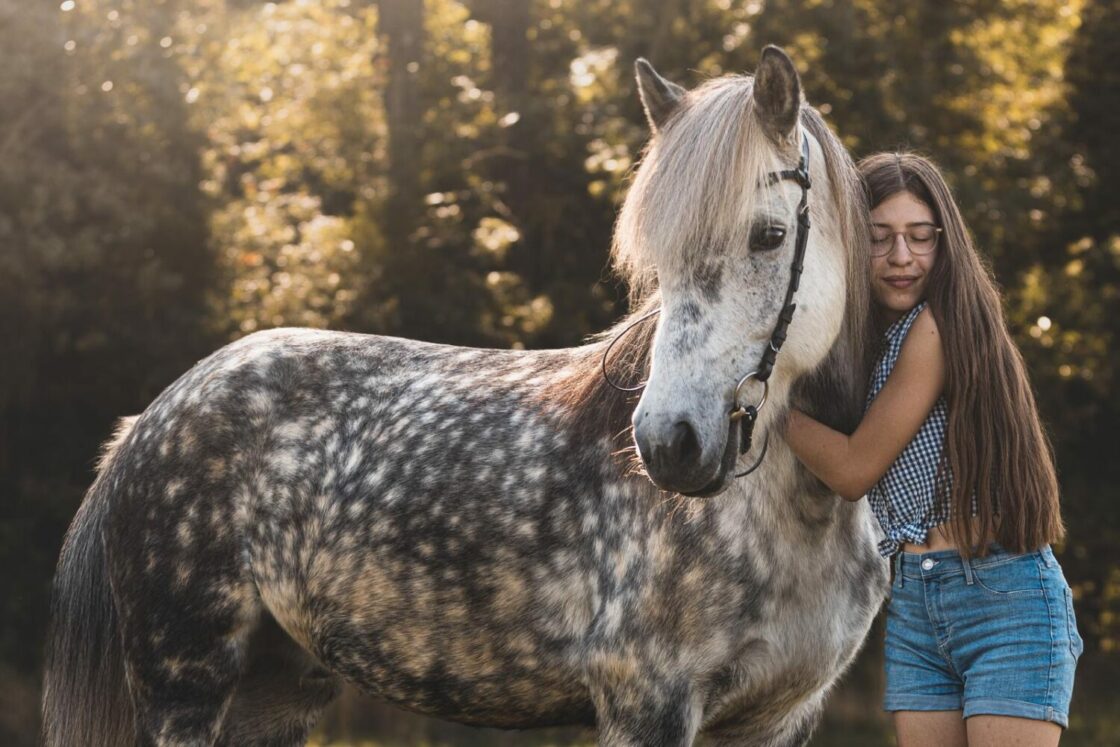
(777, 94)
(660, 97)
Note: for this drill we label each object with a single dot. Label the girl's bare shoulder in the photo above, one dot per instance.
(922, 355)
(924, 334)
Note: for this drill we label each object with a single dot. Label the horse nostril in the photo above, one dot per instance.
(642, 443)
(684, 446)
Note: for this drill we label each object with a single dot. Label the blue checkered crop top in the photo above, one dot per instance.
(904, 500)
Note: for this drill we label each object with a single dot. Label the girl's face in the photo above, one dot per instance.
(905, 236)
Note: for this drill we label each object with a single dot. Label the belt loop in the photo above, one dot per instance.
(898, 567)
(967, 570)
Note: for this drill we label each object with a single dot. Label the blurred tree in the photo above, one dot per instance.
(401, 27)
(287, 96)
(1068, 298)
(103, 227)
(104, 267)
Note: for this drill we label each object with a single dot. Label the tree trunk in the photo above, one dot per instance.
(402, 26)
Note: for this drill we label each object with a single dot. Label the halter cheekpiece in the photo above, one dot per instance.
(748, 415)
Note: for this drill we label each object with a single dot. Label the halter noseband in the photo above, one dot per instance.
(747, 416)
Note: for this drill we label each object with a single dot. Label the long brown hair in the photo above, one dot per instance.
(996, 447)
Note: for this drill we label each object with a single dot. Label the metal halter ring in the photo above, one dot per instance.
(739, 410)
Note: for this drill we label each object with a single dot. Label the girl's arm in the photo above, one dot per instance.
(850, 465)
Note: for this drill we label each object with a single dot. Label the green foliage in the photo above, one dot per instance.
(100, 218)
(286, 95)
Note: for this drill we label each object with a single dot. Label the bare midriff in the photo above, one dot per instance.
(938, 539)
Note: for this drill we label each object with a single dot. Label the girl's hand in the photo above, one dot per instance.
(850, 465)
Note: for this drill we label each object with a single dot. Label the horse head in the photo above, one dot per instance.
(710, 224)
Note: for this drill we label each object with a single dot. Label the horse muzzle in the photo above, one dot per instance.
(679, 459)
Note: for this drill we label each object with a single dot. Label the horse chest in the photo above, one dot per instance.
(785, 663)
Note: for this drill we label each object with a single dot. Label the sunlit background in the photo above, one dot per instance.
(175, 174)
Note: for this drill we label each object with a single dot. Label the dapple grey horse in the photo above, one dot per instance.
(471, 533)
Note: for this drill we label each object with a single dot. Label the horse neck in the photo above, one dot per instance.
(782, 489)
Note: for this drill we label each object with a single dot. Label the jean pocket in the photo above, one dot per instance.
(1076, 643)
(1018, 577)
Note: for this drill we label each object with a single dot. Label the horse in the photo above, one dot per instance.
(509, 538)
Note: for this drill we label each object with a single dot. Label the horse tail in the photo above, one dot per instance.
(85, 692)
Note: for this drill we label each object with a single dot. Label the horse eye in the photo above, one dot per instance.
(767, 237)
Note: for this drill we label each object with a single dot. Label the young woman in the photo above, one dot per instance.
(981, 642)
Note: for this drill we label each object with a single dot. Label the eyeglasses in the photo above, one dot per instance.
(921, 238)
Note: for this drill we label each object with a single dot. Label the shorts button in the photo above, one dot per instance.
(927, 564)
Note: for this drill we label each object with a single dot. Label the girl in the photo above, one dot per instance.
(981, 642)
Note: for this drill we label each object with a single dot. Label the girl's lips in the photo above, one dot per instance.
(900, 282)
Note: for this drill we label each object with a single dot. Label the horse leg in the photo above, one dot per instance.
(281, 694)
(182, 674)
(792, 729)
(642, 711)
(187, 609)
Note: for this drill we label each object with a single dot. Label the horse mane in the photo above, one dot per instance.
(834, 391)
(690, 170)
(698, 180)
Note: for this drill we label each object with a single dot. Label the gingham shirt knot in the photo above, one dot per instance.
(904, 499)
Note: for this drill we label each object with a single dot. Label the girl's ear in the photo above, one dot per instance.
(660, 97)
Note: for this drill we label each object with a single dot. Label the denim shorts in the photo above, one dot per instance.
(994, 635)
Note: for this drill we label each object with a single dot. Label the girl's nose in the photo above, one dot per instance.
(900, 251)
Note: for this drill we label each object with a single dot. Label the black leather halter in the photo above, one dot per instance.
(801, 176)
(747, 416)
